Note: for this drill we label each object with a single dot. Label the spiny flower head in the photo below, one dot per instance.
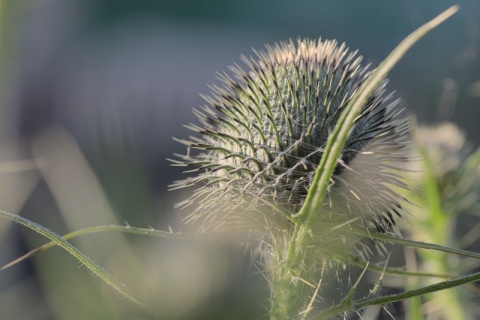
(449, 156)
(263, 132)
(445, 144)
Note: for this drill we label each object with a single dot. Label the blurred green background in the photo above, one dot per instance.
(92, 92)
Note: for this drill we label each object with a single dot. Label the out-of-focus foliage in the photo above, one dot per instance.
(446, 192)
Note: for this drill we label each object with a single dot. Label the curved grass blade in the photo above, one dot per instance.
(337, 139)
(318, 189)
(96, 229)
(79, 255)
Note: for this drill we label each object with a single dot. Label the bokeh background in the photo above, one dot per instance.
(92, 92)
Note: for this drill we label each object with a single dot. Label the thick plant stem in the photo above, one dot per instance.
(286, 306)
(294, 281)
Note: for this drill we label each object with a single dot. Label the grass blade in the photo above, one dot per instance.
(79, 255)
(96, 229)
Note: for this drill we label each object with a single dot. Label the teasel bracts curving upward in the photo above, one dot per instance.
(263, 131)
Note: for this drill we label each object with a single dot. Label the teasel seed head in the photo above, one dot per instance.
(263, 132)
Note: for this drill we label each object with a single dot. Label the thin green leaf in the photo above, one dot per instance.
(96, 229)
(399, 271)
(369, 301)
(447, 284)
(79, 255)
(412, 243)
(337, 139)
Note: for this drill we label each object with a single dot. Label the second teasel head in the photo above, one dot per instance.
(263, 132)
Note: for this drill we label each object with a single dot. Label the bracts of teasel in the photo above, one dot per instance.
(263, 132)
